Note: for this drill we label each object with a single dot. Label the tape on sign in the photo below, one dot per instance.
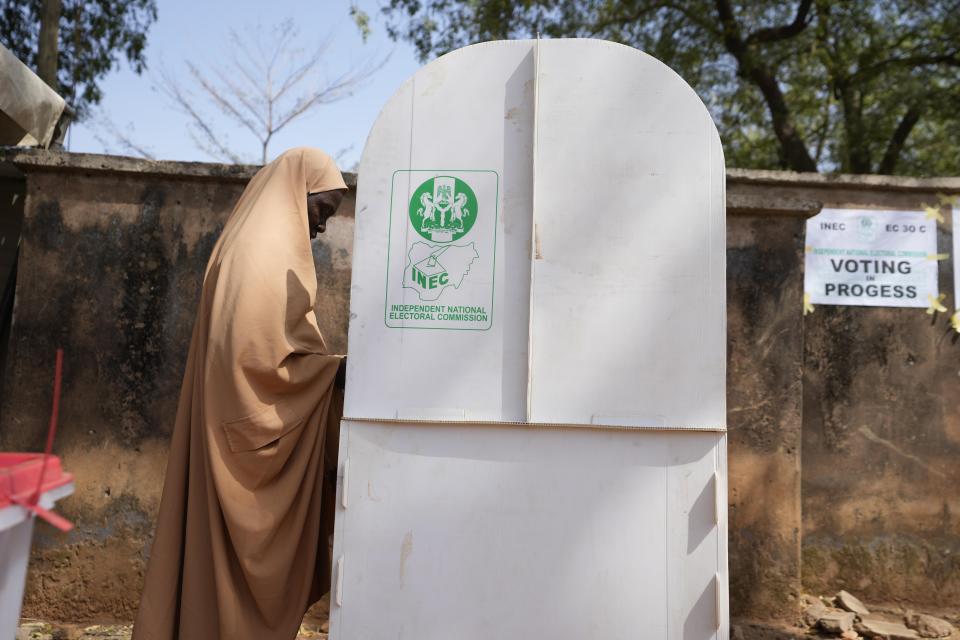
(932, 212)
(946, 200)
(955, 321)
(938, 256)
(936, 304)
(807, 305)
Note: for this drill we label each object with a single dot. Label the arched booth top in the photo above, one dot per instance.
(540, 239)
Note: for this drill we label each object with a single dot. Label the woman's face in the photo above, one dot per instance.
(320, 206)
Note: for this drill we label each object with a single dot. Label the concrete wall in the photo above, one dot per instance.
(765, 347)
(111, 264)
(880, 413)
(112, 256)
(881, 446)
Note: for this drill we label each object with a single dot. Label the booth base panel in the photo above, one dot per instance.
(478, 531)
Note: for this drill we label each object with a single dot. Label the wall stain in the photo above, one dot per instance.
(406, 548)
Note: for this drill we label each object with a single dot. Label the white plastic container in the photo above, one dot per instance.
(19, 475)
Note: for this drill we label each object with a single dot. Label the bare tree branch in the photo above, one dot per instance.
(266, 85)
(107, 133)
(297, 75)
(338, 156)
(185, 102)
(221, 99)
(251, 105)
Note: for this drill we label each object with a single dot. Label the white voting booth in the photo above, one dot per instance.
(534, 439)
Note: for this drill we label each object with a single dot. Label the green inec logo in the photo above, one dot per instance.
(443, 209)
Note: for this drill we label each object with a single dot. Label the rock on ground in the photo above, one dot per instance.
(875, 628)
(837, 621)
(813, 612)
(846, 600)
(928, 626)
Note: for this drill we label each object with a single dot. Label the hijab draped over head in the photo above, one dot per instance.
(241, 544)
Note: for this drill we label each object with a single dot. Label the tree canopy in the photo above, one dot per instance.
(858, 86)
(93, 35)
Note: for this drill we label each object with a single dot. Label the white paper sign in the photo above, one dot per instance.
(956, 257)
(442, 251)
(871, 258)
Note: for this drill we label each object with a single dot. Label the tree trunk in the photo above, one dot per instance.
(857, 157)
(49, 41)
(793, 150)
(898, 141)
(751, 66)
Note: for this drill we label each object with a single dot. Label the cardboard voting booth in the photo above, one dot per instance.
(533, 443)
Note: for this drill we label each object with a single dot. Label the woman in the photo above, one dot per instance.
(241, 546)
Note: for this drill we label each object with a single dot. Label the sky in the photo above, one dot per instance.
(198, 31)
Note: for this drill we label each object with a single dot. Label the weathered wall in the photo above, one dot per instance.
(880, 422)
(765, 348)
(111, 267)
(881, 448)
(112, 258)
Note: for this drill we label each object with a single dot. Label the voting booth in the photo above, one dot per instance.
(533, 443)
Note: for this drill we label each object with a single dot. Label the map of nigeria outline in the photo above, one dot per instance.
(432, 269)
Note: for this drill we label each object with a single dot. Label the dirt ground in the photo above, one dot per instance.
(313, 628)
(33, 630)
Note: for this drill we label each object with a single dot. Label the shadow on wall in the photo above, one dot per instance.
(12, 196)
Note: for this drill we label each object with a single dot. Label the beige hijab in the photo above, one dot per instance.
(240, 550)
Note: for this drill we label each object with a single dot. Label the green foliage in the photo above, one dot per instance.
(856, 86)
(93, 36)
(362, 21)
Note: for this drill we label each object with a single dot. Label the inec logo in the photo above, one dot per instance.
(443, 209)
(442, 250)
(867, 228)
